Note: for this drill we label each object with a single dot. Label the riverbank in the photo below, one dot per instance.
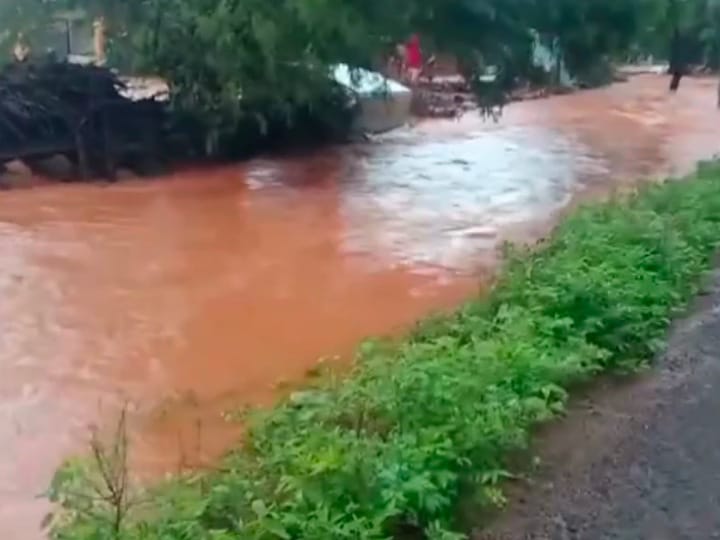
(394, 447)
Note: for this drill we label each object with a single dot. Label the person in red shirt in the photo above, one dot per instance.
(413, 59)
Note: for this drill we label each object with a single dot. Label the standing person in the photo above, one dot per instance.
(100, 41)
(413, 59)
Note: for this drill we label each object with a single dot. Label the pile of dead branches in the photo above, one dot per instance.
(49, 101)
(78, 111)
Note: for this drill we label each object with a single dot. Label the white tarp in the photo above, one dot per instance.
(366, 83)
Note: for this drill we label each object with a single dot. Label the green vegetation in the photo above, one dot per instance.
(276, 54)
(390, 449)
(697, 22)
(239, 68)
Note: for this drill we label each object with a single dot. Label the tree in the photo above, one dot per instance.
(266, 63)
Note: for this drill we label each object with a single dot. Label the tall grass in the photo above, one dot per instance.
(390, 449)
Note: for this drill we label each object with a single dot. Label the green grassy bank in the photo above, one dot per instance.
(391, 449)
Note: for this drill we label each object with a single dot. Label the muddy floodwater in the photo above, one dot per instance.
(198, 292)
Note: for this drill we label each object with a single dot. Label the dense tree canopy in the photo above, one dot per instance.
(261, 40)
(275, 54)
(698, 21)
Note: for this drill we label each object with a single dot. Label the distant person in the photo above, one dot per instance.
(21, 49)
(100, 41)
(413, 59)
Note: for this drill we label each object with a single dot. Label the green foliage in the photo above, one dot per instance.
(591, 30)
(276, 55)
(243, 69)
(697, 22)
(700, 21)
(392, 446)
(265, 65)
(96, 494)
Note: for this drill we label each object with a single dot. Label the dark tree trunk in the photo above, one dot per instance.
(675, 81)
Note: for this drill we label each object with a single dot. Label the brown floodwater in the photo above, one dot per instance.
(207, 289)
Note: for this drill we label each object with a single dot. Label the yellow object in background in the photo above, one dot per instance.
(21, 50)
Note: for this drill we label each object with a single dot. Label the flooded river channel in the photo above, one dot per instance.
(207, 289)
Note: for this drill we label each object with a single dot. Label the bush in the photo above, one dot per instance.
(392, 446)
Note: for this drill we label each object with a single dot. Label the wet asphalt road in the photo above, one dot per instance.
(635, 462)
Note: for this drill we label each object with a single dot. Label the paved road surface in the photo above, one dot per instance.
(637, 462)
